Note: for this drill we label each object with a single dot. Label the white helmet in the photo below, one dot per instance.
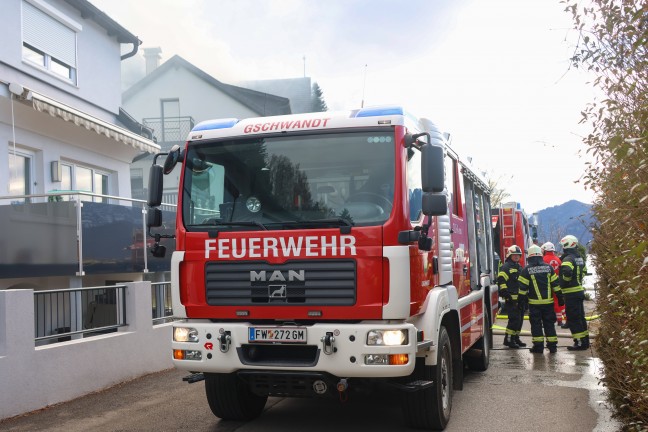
(548, 247)
(569, 242)
(513, 250)
(534, 251)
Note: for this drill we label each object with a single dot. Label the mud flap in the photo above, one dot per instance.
(457, 373)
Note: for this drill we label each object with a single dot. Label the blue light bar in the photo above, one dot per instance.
(215, 124)
(380, 111)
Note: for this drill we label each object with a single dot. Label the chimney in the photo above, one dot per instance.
(152, 56)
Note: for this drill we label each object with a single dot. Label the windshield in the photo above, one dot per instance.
(341, 179)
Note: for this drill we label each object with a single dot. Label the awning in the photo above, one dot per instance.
(59, 110)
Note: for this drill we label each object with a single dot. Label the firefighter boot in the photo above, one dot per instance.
(584, 344)
(576, 346)
(509, 341)
(519, 342)
(553, 349)
(538, 348)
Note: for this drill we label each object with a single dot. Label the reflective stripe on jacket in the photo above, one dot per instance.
(538, 283)
(572, 271)
(507, 278)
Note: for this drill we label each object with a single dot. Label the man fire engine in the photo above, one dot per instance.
(326, 252)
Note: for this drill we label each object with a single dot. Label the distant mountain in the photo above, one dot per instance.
(572, 217)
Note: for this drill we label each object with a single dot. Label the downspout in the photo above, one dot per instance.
(136, 45)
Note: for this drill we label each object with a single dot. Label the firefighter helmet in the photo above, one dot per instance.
(534, 251)
(513, 250)
(569, 242)
(548, 247)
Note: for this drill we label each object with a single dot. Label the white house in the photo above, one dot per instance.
(62, 129)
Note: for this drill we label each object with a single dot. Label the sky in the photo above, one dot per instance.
(494, 74)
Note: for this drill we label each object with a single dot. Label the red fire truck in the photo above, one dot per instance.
(318, 254)
(511, 226)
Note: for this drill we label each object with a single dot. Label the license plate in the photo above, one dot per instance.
(277, 334)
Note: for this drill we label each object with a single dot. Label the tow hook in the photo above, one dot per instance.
(224, 341)
(328, 343)
(342, 387)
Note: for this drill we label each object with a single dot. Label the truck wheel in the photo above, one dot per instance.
(230, 398)
(430, 408)
(481, 362)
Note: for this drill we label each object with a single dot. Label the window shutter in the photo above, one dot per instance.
(49, 35)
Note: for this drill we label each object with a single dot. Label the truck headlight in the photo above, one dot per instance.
(387, 337)
(185, 334)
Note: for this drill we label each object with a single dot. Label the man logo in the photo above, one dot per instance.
(278, 276)
(277, 291)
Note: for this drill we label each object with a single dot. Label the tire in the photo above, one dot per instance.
(230, 398)
(480, 363)
(430, 408)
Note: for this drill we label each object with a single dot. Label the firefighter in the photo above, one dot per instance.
(549, 256)
(572, 271)
(538, 285)
(507, 279)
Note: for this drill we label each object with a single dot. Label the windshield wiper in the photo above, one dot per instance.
(216, 222)
(307, 222)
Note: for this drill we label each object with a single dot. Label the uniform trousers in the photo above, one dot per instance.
(543, 319)
(576, 314)
(515, 317)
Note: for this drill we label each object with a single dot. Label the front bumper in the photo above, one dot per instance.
(343, 356)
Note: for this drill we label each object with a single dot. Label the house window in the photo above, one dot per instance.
(49, 40)
(20, 174)
(137, 183)
(84, 179)
(171, 120)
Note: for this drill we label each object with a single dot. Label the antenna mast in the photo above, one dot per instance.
(364, 84)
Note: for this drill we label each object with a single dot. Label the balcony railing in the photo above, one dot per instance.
(170, 129)
(162, 308)
(64, 314)
(78, 233)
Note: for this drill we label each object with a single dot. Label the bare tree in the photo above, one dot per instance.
(498, 194)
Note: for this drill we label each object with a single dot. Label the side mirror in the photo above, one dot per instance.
(155, 186)
(434, 204)
(174, 156)
(154, 217)
(432, 168)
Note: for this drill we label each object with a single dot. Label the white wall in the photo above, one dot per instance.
(35, 377)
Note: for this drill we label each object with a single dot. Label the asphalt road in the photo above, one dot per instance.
(519, 392)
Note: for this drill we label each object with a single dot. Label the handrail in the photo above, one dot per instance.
(72, 193)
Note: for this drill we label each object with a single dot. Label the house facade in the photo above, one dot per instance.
(66, 145)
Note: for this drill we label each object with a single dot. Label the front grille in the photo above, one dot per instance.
(299, 283)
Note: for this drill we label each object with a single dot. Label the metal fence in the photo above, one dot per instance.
(74, 313)
(161, 296)
(170, 129)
